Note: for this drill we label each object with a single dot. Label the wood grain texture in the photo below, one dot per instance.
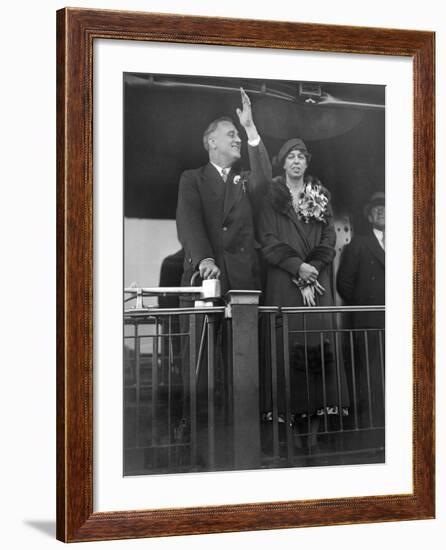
(76, 31)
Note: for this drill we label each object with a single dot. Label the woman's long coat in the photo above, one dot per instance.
(286, 243)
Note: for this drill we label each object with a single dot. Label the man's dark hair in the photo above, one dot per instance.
(212, 127)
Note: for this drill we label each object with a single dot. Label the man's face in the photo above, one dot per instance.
(225, 143)
(295, 164)
(377, 216)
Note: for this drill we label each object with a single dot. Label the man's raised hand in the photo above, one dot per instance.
(245, 114)
(245, 117)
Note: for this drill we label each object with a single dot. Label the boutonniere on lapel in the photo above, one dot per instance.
(238, 179)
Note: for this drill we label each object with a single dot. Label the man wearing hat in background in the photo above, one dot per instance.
(361, 274)
(361, 282)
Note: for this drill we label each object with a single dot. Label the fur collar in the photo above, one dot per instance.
(280, 195)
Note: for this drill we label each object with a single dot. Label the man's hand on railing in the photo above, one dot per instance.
(208, 269)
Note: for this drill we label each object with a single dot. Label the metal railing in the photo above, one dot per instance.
(322, 385)
(205, 294)
(166, 351)
(241, 386)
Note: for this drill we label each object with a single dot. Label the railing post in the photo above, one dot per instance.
(242, 307)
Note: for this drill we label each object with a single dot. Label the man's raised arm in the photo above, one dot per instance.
(260, 164)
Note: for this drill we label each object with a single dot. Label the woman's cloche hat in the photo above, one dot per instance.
(287, 147)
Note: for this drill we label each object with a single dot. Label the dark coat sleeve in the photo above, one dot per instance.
(260, 175)
(348, 271)
(190, 221)
(275, 251)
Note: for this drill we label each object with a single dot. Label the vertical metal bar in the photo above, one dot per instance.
(211, 388)
(169, 388)
(273, 343)
(192, 388)
(286, 361)
(338, 381)
(155, 390)
(125, 394)
(227, 365)
(381, 363)
(137, 383)
(367, 366)
(355, 402)
(200, 350)
(307, 374)
(324, 381)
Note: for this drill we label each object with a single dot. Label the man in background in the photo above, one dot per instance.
(361, 282)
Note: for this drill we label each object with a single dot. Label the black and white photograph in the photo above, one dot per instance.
(221, 345)
(254, 273)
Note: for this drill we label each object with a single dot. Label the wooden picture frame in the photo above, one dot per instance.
(77, 29)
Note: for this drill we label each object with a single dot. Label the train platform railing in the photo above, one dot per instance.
(322, 384)
(214, 387)
(191, 380)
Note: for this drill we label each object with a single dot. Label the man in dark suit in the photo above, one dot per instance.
(361, 282)
(361, 274)
(215, 223)
(216, 206)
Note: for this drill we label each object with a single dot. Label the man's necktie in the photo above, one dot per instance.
(383, 241)
(224, 174)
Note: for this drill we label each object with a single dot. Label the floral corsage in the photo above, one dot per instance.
(240, 179)
(312, 203)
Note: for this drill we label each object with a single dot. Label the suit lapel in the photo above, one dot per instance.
(213, 186)
(375, 248)
(232, 193)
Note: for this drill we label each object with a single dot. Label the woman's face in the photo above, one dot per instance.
(295, 164)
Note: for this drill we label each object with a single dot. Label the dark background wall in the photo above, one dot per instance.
(165, 116)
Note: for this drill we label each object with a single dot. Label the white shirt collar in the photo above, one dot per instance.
(380, 236)
(219, 168)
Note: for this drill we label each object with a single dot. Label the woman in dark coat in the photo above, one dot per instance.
(295, 229)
